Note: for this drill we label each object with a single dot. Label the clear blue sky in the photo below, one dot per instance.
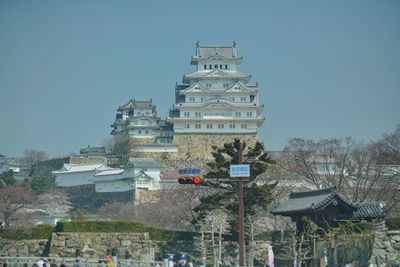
(325, 68)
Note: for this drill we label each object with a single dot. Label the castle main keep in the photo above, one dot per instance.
(213, 105)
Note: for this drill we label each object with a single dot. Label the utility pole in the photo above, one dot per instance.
(241, 213)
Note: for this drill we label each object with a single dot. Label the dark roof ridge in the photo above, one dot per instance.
(317, 192)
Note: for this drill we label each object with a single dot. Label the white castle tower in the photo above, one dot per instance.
(215, 104)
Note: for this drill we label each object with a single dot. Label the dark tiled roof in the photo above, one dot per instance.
(370, 210)
(301, 202)
(312, 201)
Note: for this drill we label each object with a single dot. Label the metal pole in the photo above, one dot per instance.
(241, 214)
(241, 226)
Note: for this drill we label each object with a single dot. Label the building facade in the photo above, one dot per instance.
(139, 120)
(213, 105)
(216, 103)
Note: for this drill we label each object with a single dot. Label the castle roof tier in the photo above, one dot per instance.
(207, 53)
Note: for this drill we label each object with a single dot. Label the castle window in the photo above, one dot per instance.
(209, 126)
(216, 66)
(226, 67)
(238, 114)
(220, 126)
(210, 66)
(186, 114)
(243, 98)
(147, 132)
(249, 114)
(220, 66)
(232, 126)
(187, 126)
(140, 131)
(197, 114)
(243, 126)
(226, 85)
(205, 66)
(208, 85)
(232, 99)
(197, 126)
(192, 99)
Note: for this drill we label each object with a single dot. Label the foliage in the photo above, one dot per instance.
(78, 215)
(40, 184)
(12, 200)
(38, 232)
(393, 223)
(7, 178)
(256, 195)
(85, 197)
(123, 227)
(32, 156)
(363, 172)
(166, 208)
(119, 145)
(45, 168)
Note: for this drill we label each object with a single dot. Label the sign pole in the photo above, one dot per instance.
(241, 214)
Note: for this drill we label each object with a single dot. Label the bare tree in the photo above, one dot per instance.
(119, 145)
(12, 200)
(32, 156)
(388, 148)
(216, 222)
(324, 163)
(169, 208)
(361, 171)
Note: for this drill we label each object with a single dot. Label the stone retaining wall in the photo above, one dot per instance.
(386, 248)
(137, 246)
(22, 248)
(199, 145)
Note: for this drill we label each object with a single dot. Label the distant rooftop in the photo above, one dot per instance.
(316, 200)
(144, 163)
(133, 103)
(205, 52)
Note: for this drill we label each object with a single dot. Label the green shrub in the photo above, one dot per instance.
(39, 232)
(122, 227)
(393, 223)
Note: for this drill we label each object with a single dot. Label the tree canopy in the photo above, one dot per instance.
(224, 196)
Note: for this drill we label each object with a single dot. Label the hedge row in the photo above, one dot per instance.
(393, 223)
(100, 227)
(122, 227)
(39, 232)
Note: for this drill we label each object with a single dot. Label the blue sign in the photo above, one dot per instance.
(239, 170)
(189, 171)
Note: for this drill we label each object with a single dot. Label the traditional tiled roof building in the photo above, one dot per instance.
(326, 205)
(216, 103)
(139, 120)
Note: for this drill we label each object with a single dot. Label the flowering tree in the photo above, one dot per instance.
(12, 200)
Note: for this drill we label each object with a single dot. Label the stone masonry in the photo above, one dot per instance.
(22, 248)
(386, 248)
(199, 145)
(137, 246)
